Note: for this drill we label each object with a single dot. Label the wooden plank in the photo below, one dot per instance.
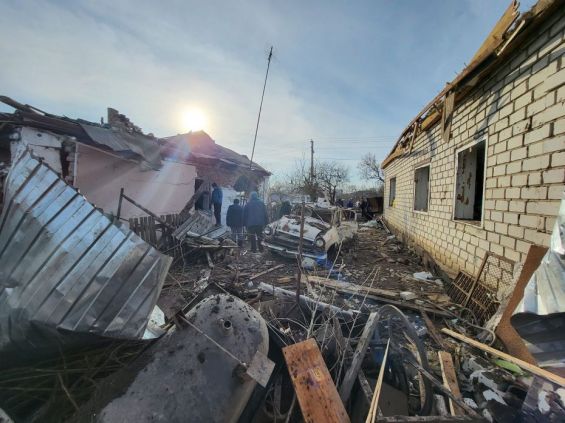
(450, 380)
(432, 329)
(375, 402)
(313, 384)
(264, 272)
(358, 356)
(513, 343)
(521, 363)
(429, 419)
(362, 291)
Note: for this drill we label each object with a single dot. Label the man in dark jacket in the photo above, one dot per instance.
(217, 197)
(255, 219)
(234, 219)
(285, 209)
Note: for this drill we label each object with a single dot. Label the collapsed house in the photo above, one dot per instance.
(102, 159)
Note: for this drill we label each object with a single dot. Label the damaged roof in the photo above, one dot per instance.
(506, 36)
(199, 146)
(128, 145)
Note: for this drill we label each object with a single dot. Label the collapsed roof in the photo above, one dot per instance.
(507, 35)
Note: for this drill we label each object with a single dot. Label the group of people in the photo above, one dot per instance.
(363, 204)
(253, 216)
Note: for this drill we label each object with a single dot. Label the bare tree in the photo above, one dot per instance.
(330, 176)
(370, 169)
(300, 179)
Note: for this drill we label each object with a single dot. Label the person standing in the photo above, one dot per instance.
(255, 219)
(285, 209)
(234, 219)
(217, 197)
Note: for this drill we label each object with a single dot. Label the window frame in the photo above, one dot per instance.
(475, 223)
(391, 202)
(420, 166)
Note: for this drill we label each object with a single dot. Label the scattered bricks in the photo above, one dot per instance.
(534, 193)
(553, 176)
(517, 206)
(534, 178)
(536, 237)
(508, 242)
(516, 232)
(513, 167)
(554, 81)
(558, 159)
(555, 192)
(536, 163)
(537, 134)
(519, 153)
(529, 221)
(511, 254)
(545, 208)
(511, 218)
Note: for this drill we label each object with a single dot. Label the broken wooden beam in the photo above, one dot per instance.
(358, 356)
(371, 417)
(432, 329)
(317, 395)
(538, 371)
(450, 380)
(264, 272)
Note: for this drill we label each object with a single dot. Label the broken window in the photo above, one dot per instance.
(469, 186)
(392, 192)
(421, 188)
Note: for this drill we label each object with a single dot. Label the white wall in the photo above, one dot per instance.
(100, 176)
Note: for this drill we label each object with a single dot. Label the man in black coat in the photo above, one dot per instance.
(255, 218)
(234, 219)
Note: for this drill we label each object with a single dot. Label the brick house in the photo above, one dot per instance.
(482, 167)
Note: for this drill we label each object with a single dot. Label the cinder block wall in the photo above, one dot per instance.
(521, 110)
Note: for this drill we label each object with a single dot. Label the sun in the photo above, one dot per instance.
(194, 119)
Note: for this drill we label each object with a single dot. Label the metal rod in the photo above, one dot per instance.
(260, 108)
(300, 242)
(120, 202)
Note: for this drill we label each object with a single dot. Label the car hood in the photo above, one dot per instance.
(290, 225)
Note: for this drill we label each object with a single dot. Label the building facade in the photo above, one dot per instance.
(482, 169)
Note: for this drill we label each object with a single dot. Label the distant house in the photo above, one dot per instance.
(482, 167)
(101, 159)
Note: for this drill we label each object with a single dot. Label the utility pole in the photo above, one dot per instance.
(312, 162)
(260, 107)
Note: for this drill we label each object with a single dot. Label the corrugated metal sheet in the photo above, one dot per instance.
(64, 266)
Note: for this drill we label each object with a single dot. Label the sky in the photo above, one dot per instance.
(348, 74)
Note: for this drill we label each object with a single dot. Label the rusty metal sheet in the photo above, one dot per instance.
(67, 268)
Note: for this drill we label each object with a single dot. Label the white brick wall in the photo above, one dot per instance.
(521, 109)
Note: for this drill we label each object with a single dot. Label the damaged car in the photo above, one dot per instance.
(320, 237)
